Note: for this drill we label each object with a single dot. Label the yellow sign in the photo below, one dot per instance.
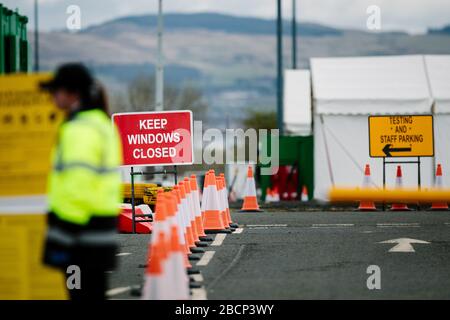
(28, 125)
(22, 274)
(401, 136)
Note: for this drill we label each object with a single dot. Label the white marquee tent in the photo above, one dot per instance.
(347, 90)
(297, 102)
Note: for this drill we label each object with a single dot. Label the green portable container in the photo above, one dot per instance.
(14, 45)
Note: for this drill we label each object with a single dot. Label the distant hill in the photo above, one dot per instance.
(441, 31)
(212, 22)
(231, 59)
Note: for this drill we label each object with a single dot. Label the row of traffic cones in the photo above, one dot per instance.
(180, 228)
(370, 205)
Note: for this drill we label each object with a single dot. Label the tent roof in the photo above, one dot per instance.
(297, 102)
(370, 85)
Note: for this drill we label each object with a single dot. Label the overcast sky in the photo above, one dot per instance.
(410, 15)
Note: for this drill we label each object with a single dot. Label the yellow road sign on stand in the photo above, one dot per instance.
(28, 125)
(401, 136)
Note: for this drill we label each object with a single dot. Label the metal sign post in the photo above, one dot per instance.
(133, 203)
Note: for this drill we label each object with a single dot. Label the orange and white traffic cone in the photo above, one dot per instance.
(191, 208)
(174, 221)
(269, 196)
(399, 185)
(213, 221)
(154, 287)
(304, 197)
(177, 271)
(197, 209)
(223, 212)
(438, 184)
(227, 204)
(275, 194)
(178, 218)
(250, 201)
(190, 231)
(181, 219)
(366, 205)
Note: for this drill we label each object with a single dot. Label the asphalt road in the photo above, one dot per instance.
(313, 255)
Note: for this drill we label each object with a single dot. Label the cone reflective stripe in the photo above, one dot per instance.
(304, 197)
(399, 185)
(197, 209)
(366, 205)
(250, 201)
(213, 219)
(438, 184)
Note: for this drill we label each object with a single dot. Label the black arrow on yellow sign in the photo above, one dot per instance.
(388, 149)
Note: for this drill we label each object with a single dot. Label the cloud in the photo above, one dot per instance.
(410, 15)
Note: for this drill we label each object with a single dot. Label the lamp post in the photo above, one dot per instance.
(36, 36)
(159, 95)
(279, 69)
(294, 34)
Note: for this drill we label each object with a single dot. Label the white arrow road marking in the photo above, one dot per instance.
(404, 244)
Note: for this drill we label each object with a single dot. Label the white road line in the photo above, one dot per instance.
(239, 230)
(447, 223)
(206, 258)
(399, 224)
(197, 277)
(116, 291)
(199, 294)
(219, 239)
(332, 225)
(122, 254)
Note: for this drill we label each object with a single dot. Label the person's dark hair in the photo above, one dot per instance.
(76, 78)
(99, 98)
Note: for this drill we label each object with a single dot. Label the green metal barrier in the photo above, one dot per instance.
(293, 150)
(14, 45)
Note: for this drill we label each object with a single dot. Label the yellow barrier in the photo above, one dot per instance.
(389, 195)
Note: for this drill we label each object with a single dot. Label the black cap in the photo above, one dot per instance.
(74, 77)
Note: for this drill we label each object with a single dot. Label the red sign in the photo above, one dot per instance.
(156, 138)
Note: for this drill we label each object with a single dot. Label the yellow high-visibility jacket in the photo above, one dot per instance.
(85, 181)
